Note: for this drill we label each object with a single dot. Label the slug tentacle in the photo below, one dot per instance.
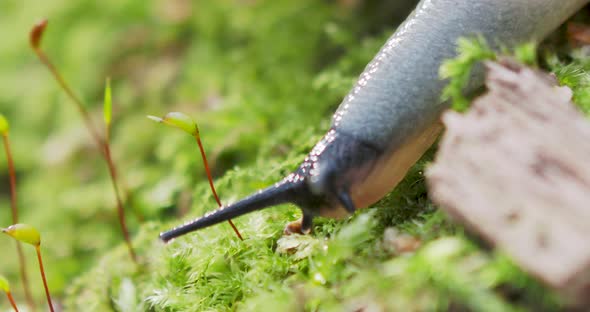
(277, 194)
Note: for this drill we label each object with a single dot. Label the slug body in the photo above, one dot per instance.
(391, 115)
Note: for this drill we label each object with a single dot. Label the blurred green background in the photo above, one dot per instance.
(262, 79)
(242, 69)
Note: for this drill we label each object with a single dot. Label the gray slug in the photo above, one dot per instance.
(390, 117)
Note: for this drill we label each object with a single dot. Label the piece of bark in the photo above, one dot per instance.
(516, 170)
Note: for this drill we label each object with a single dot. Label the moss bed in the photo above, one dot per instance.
(262, 79)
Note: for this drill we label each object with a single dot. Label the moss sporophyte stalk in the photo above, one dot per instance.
(187, 124)
(4, 131)
(27, 234)
(103, 143)
(5, 287)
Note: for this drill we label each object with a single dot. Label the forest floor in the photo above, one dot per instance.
(262, 80)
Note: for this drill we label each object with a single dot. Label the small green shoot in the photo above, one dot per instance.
(108, 103)
(103, 144)
(113, 170)
(4, 130)
(5, 287)
(187, 124)
(29, 235)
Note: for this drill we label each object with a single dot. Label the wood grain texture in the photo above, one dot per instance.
(516, 170)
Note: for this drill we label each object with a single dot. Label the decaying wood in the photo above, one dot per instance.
(516, 170)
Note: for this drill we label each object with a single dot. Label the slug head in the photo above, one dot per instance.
(323, 185)
(331, 174)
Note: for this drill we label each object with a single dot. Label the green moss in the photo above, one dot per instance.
(344, 264)
(575, 74)
(459, 69)
(261, 79)
(473, 51)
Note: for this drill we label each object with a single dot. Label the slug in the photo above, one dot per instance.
(391, 116)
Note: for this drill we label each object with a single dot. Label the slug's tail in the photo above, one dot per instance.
(271, 196)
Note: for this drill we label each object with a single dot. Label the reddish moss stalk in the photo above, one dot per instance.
(102, 143)
(12, 176)
(14, 208)
(11, 299)
(120, 210)
(206, 165)
(42, 269)
(36, 36)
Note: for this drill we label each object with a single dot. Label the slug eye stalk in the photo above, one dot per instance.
(102, 143)
(5, 286)
(29, 235)
(187, 124)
